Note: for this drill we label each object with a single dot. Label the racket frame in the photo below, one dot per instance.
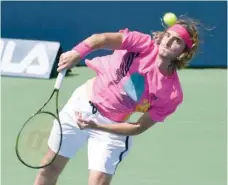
(55, 91)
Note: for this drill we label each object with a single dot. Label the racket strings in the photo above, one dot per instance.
(32, 141)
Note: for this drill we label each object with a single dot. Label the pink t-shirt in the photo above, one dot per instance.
(129, 81)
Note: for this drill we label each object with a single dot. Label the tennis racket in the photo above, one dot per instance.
(32, 139)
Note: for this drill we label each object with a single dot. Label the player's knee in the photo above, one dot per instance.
(100, 181)
(50, 171)
(99, 178)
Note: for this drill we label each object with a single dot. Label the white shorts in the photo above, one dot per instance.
(105, 150)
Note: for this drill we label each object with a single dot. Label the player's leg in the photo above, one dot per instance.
(99, 178)
(105, 154)
(73, 139)
(50, 174)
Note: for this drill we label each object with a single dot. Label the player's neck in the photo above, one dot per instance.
(164, 66)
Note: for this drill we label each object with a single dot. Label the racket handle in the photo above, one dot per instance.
(59, 79)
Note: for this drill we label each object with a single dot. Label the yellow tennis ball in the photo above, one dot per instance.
(170, 19)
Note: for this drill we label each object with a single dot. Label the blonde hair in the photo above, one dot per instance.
(184, 59)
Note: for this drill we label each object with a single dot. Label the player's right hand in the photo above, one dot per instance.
(68, 60)
(84, 124)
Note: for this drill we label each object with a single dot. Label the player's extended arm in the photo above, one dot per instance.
(139, 127)
(92, 43)
(105, 41)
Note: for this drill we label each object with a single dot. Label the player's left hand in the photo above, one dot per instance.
(83, 124)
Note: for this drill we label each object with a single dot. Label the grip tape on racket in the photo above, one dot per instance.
(59, 79)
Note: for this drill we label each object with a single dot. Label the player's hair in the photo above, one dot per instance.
(184, 59)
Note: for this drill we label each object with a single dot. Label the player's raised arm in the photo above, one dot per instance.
(132, 41)
(92, 43)
(105, 41)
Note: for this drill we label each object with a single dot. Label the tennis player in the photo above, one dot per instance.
(140, 76)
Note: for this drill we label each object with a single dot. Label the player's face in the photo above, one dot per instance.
(171, 45)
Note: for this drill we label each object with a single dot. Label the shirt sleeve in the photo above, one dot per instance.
(160, 113)
(135, 41)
